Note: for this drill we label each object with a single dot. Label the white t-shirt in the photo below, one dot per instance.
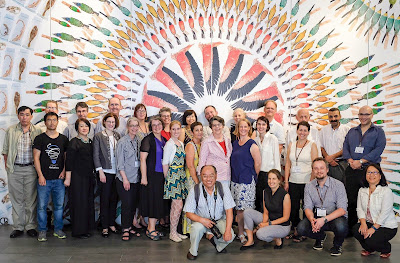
(332, 140)
(300, 170)
(269, 149)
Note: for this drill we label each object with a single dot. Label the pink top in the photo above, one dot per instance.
(211, 153)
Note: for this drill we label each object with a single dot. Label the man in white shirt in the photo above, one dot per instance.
(209, 112)
(52, 106)
(82, 110)
(275, 128)
(331, 138)
(303, 115)
(114, 106)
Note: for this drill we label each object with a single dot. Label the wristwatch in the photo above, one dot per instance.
(325, 220)
(361, 161)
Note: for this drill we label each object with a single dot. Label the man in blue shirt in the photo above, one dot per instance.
(363, 144)
(211, 209)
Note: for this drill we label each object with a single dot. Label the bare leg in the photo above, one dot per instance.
(250, 238)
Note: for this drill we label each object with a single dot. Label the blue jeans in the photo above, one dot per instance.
(57, 190)
(338, 226)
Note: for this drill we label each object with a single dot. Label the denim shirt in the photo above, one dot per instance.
(373, 141)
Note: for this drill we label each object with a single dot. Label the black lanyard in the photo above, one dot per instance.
(136, 148)
(215, 200)
(319, 195)
(295, 154)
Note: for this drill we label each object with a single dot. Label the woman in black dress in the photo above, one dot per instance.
(152, 203)
(80, 179)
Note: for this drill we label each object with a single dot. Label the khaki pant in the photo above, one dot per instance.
(23, 195)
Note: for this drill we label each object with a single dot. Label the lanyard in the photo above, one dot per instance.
(295, 154)
(215, 200)
(135, 147)
(319, 195)
(362, 135)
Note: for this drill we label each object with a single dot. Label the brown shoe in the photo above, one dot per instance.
(190, 256)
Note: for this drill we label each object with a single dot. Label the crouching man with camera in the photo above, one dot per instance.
(210, 207)
(325, 206)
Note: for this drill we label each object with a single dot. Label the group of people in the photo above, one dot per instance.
(257, 175)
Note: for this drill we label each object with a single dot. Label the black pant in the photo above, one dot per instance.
(108, 201)
(379, 241)
(129, 202)
(338, 172)
(296, 192)
(353, 184)
(338, 226)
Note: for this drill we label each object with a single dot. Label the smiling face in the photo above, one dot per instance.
(244, 129)
(110, 123)
(216, 127)
(175, 130)
(114, 106)
(334, 118)
(238, 115)
(373, 176)
(156, 127)
(51, 107)
(165, 118)
(141, 113)
(190, 119)
(320, 170)
(270, 110)
(83, 129)
(261, 126)
(210, 112)
(303, 115)
(302, 132)
(208, 176)
(133, 127)
(198, 132)
(365, 115)
(81, 112)
(273, 181)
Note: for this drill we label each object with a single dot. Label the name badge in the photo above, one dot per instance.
(296, 169)
(359, 149)
(321, 212)
(137, 163)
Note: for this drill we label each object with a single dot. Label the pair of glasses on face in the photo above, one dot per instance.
(372, 172)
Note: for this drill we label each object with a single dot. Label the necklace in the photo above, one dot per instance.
(84, 141)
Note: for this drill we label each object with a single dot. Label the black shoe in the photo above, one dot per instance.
(32, 233)
(105, 234)
(280, 246)
(213, 242)
(87, 235)
(336, 251)
(116, 231)
(83, 236)
(223, 251)
(190, 256)
(319, 244)
(243, 248)
(16, 233)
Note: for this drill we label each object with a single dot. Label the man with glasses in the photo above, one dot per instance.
(82, 110)
(363, 144)
(114, 106)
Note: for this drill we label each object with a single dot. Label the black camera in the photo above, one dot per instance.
(215, 231)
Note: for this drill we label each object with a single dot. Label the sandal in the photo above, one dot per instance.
(385, 255)
(365, 253)
(134, 233)
(160, 234)
(242, 239)
(126, 235)
(104, 233)
(152, 237)
(299, 239)
(115, 231)
(290, 236)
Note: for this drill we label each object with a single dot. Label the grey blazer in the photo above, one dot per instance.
(101, 150)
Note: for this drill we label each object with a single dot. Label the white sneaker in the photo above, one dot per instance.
(183, 237)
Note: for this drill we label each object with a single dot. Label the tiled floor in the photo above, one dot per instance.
(98, 249)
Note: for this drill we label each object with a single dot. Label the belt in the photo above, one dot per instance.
(176, 166)
(23, 164)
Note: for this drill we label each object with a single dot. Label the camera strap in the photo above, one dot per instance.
(215, 200)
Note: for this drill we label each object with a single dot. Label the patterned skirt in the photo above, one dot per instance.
(244, 195)
(175, 186)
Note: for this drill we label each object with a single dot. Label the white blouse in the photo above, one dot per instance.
(302, 173)
(169, 151)
(269, 149)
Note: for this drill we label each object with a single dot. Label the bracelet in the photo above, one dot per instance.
(374, 228)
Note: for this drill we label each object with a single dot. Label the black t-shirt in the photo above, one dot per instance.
(51, 154)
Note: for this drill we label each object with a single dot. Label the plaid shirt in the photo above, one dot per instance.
(24, 149)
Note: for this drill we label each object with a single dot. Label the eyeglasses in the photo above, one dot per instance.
(364, 114)
(156, 125)
(165, 116)
(141, 111)
(133, 125)
(373, 172)
(217, 125)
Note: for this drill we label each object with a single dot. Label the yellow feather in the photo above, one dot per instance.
(189, 2)
(328, 104)
(307, 47)
(282, 20)
(300, 37)
(92, 102)
(97, 78)
(249, 3)
(141, 17)
(327, 92)
(114, 44)
(94, 90)
(292, 27)
(132, 25)
(164, 5)
(271, 13)
(261, 7)
(152, 11)
(319, 68)
(102, 66)
(314, 57)
(323, 80)
(93, 115)
(176, 3)
(107, 54)
(122, 34)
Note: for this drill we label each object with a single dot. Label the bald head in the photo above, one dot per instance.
(303, 115)
(365, 115)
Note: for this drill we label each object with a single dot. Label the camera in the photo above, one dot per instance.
(215, 231)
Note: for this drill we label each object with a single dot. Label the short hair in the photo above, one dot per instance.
(238, 109)
(382, 182)
(164, 109)
(208, 106)
(81, 120)
(274, 102)
(50, 114)
(218, 119)
(236, 131)
(130, 120)
(175, 122)
(209, 165)
(137, 107)
(24, 108)
(81, 104)
(264, 119)
(194, 124)
(304, 123)
(114, 98)
(334, 109)
(52, 101)
(318, 159)
(152, 119)
(109, 115)
(277, 173)
(186, 114)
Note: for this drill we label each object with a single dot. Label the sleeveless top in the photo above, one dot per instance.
(188, 137)
(189, 178)
(303, 174)
(242, 163)
(274, 204)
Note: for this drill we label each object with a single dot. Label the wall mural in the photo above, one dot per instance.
(186, 54)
